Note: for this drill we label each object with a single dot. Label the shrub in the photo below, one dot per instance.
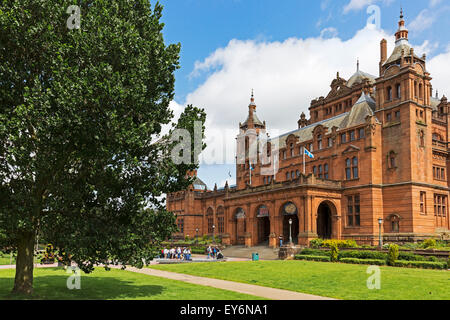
(314, 252)
(428, 244)
(205, 237)
(420, 264)
(312, 258)
(377, 255)
(392, 254)
(409, 256)
(340, 243)
(334, 254)
(186, 239)
(378, 262)
(316, 243)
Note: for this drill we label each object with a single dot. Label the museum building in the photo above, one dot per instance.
(380, 146)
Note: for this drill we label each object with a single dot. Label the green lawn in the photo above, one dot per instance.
(50, 284)
(336, 280)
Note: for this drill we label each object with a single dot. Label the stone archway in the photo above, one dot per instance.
(324, 220)
(262, 216)
(289, 213)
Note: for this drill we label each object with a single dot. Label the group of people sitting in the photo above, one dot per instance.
(214, 252)
(177, 253)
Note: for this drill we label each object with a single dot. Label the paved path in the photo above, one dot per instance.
(259, 291)
(265, 292)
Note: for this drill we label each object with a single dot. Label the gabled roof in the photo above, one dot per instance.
(199, 184)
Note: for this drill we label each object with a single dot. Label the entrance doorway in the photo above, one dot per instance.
(324, 223)
(263, 230)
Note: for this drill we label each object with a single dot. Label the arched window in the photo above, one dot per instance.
(288, 175)
(210, 219)
(325, 169)
(398, 91)
(420, 91)
(298, 173)
(292, 149)
(292, 175)
(319, 142)
(315, 170)
(415, 89)
(348, 169)
(220, 219)
(355, 167)
(320, 172)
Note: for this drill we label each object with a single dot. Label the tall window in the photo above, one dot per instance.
(319, 142)
(420, 91)
(315, 170)
(392, 164)
(210, 225)
(343, 138)
(423, 198)
(320, 172)
(330, 142)
(220, 220)
(353, 211)
(292, 149)
(355, 167)
(440, 205)
(352, 135)
(288, 175)
(422, 138)
(362, 133)
(325, 169)
(398, 91)
(389, 93)
(348, 169)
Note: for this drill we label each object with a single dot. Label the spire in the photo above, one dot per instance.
(357, 65)
(401, 35)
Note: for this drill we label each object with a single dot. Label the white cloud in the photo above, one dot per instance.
(329, 32)
(356, 5)
(423, 21)
(434, 3)
(286, 76)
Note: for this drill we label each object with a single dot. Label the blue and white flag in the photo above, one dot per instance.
(309, 154)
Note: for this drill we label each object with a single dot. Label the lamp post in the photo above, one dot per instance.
(290, 231)
(214, 238)
(380, 241)
(196, 235)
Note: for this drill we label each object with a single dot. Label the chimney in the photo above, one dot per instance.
(383, 47)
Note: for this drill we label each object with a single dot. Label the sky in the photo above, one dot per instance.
(288, 51)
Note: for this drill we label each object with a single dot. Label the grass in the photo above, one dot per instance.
(50, 284)
(335, 280)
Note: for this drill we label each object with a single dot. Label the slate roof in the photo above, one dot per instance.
(256, 120)
(364, 107)
(397, 53)
(199, 184)
(359, 77)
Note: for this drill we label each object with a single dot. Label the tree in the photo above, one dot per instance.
(79, 112)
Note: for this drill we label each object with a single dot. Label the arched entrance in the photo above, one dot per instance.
(290, 222)
(324, 222)
(262, 215)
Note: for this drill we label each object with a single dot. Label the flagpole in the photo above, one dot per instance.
(304, 169)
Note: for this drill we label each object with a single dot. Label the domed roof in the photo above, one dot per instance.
(359, 78)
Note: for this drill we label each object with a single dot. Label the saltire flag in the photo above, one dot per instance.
(309, 154)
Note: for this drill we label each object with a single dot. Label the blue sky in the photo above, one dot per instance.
(216, 33)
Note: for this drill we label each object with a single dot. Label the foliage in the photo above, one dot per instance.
(392, 254)
(80, 113)
(420, 264)
(339, 243)
(362, 255)
(334, 254)
(316, 243)
(312, 258)
(428, 244)
(186, 239)
(315, 252)
(378, 262)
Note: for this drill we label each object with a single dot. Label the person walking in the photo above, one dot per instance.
(214, 252)
(281, 241)
(208, 251)
(166, 253)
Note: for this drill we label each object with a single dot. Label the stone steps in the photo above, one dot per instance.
(264, 252)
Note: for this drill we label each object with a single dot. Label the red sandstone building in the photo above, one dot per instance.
(380, 148)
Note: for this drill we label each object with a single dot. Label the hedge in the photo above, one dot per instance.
(315, 252)
(420, 264)
(376, 255)
(378, 262)
(312, 258)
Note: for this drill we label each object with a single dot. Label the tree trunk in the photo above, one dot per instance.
(23, 283)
